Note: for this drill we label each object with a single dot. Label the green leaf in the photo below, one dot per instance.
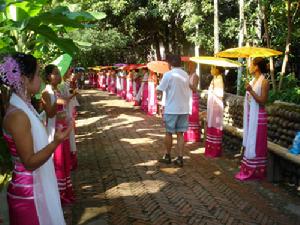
(38, 54)
(2, 17)
(58, 19)
(46, 31)
(98, 15)
(24, 9)
(5, 42)
(60, 10)
(16, 13)
(66, 45)
(86, 16)
(83, 43)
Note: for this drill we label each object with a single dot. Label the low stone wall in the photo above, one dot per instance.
(283, 123)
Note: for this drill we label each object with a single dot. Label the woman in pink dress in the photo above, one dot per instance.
(214, 130)
(129, 90)
(108, 80)
(91, 78)
(99, 81)
(119, 84)
(124, 85)
(95, 79)
(253, 165)
(152, 97)
(193, 132)
(103, 80)
(113, 82)
(69, 95)
(32, 194)
(143, 92)
(55, 107)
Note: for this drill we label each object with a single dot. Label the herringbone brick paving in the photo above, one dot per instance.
(119, 180)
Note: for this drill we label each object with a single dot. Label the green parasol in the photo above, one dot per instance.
(63, 62)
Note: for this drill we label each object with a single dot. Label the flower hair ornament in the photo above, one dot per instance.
(10, 73)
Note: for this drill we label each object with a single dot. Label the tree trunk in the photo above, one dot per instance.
(216, 28)
(157, 49)
(259, 21)
(241, 41)
(173, 38)
(167, 40)
(288, 44)
(197, 53)
(268, 39)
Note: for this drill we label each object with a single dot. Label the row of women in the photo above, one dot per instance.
(142, 91)
(43, 152)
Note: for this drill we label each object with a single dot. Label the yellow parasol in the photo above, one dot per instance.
(248, 51)
(96, 68)
(216, 61)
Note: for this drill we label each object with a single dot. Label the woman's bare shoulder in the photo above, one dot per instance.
(14, 118)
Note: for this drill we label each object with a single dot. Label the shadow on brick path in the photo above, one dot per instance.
(119, 180)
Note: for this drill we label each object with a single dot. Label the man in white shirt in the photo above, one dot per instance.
(175, 84)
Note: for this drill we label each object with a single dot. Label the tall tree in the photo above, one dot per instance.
(216, 27)
(268, 40)
(240, 40)
(287, 44)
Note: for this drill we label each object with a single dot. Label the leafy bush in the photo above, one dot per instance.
(290, 91)
(5, 163)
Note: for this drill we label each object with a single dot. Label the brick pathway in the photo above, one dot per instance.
(119, 180)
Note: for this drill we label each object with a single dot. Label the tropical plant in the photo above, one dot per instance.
(40, 27)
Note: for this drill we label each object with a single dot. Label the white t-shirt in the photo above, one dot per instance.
(175, 84)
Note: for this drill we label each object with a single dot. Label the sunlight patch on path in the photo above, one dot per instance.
(89, 121)
(124, 189)
(90, 213)
(111, 102)
(126, 120)
(137, 141)
(148, 163)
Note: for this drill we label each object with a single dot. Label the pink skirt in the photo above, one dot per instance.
(124, 90)
(114, 86)
(103, 83)
(95, 81)
(20, 197)
(63, 164)
(22, 212)
(256, 168)
(193, 133)
(152, 99)
(129, 93)
(213, 142)
(144, 104)
(99, 83)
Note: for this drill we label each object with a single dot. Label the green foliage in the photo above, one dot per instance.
(106, 46)
(5, 162)
(290, 90)
(39, 27)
